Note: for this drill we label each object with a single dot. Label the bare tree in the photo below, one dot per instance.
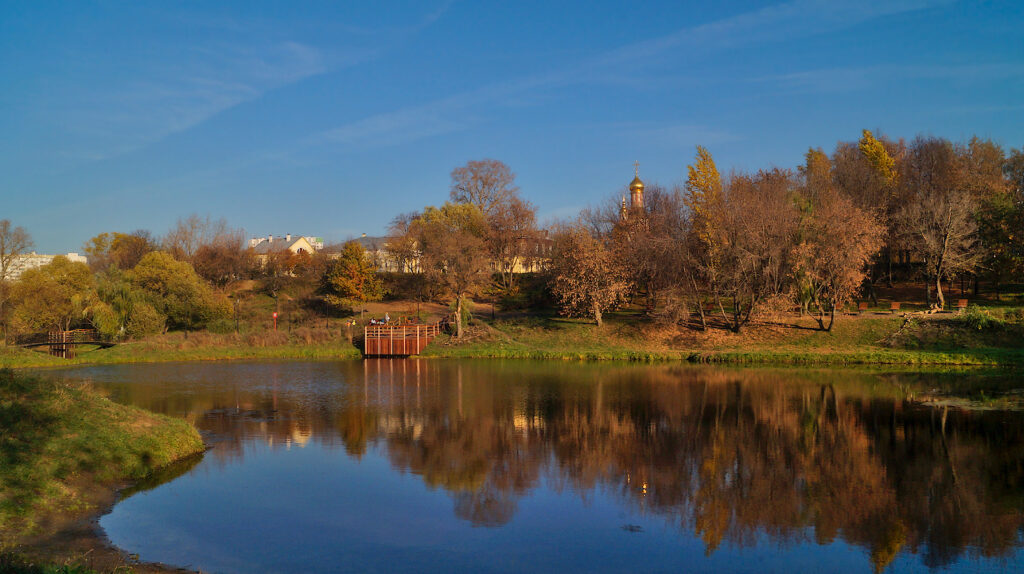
(940, 220)
(192, 232)
(14, 242)
(512, 231)
(402, 244)
(485, 183)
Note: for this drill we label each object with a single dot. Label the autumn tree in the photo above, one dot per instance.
(586, 278)
(122, 250)
(838, 244)
(14, 242)
(486, 183)
(758, 226)
(705, 241)
(880, 156)
(54, 296)
(983, 168)
(351, 277)
(649, 244)
(452, 241)
(816, 173)
(220, 263)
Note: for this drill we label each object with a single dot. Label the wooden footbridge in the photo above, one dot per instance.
(63, 343)
(399, 340)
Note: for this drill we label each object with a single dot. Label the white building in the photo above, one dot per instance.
(23, 263)
(316, 243)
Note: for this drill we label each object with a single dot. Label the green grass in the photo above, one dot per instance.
(199, 346)
(60, 440)
(979, 336)
(16, 563)
(883, 339)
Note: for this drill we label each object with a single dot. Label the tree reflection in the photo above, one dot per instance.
(726, 455)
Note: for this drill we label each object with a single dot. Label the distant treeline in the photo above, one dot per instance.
(715, 250)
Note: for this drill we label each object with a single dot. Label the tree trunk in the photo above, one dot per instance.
(700, 303)
(458, 316)
(888, 263)
(938, 291)
(597, 314)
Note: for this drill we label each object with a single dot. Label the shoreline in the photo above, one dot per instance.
(984, 357)
(70, 454)
(885, 341)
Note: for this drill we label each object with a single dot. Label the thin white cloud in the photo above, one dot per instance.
(844, 79)
(393, 128)
(146, 107)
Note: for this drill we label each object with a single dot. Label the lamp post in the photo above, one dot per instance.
(275, 320)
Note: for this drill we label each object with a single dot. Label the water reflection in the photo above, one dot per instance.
(728, 456)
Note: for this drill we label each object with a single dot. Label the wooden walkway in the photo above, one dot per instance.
(63, 343)
(399, 340)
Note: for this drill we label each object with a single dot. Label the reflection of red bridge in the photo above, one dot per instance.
(63, 343)
(399, 340)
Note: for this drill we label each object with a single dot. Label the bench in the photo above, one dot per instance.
(961, 305)
(862, 306)
(893, 307)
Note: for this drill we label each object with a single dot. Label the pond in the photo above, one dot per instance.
(406, 465)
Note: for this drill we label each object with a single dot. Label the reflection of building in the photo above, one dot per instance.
(23, 263)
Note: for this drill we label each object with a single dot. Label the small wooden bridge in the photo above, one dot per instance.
(399, 340)
(63, 343)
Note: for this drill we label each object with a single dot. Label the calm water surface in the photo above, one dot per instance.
(385, 466)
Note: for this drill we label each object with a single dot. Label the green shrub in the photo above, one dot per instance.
(144, 321)
(978, 319)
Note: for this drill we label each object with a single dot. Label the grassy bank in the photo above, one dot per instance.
(200, 346)
(59, 442)
(947, 339)
(993, 336)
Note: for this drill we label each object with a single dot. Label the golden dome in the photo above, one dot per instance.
(636, 184)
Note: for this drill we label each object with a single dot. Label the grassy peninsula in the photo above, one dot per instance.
(65, 448)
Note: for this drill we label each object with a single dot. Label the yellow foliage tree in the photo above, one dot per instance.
(704, 194)
(878, 158)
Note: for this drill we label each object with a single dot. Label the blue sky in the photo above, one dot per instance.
(329, 118)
